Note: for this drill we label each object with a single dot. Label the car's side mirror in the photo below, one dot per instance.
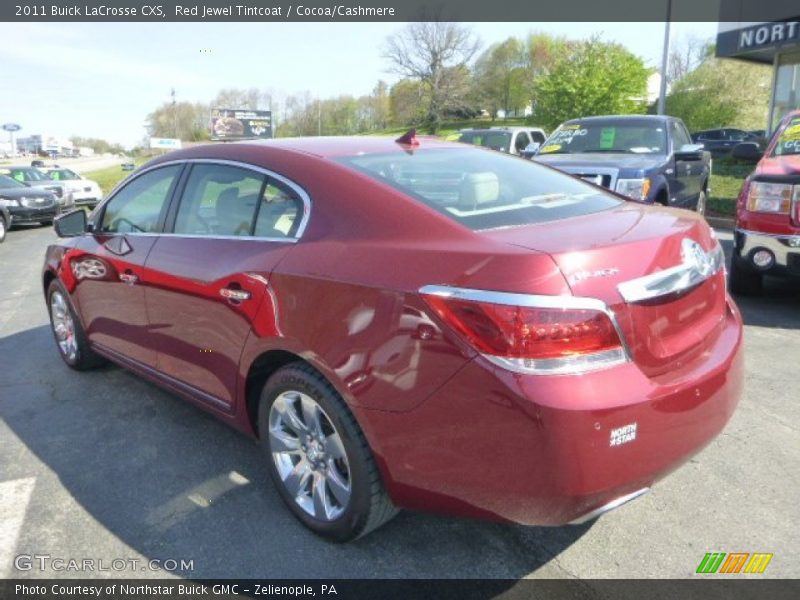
(531, 150)
(747, 152)
(71, 224)
(690, 152)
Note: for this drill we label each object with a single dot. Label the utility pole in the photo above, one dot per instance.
(174, 113)
(319, 117)
(662, 94)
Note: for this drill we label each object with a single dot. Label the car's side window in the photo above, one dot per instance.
(679, 136)
(280, 211)
(538, 137)
(219, 200)
(138, 206)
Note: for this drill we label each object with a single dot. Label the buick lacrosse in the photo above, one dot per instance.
(410, 323)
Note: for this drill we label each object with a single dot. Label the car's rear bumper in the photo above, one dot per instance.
(550, 450)
(785, 249)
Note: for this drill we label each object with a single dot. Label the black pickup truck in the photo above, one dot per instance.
(646, 157)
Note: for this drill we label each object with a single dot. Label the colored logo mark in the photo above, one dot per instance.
(735, 562)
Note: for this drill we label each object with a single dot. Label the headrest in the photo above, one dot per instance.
(478, 188)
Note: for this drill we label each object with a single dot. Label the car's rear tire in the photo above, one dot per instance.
(743, 280)
(318, 456)
(46, 223)
(3, 229)
(71, 340)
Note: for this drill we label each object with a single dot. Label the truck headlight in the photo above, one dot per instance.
(634, 188)
(771, 197)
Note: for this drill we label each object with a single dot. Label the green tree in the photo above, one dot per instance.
(591, 78)
(501, 77)
(187, 121)
(542, 52)
(722, 92)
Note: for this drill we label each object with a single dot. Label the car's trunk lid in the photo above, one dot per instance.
(598, 252)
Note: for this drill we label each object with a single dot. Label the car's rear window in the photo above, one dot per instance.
(482, 189)
(496, 140)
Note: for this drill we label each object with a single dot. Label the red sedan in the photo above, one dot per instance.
(410, 325)
(767, 240)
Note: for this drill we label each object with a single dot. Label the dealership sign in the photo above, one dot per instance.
(769, 34)
(165, 143)
(11, 127)
(233, 124)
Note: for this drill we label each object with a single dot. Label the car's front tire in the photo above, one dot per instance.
(3, 229)
(71, 340)
(318, 456)
(46, 222)
(743, 280)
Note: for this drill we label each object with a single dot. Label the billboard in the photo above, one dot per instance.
(233, 124)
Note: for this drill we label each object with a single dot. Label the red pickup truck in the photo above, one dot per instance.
(767, 236)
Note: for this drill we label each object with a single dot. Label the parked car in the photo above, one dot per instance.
(36, 178)
(5, 221)
(767, 236)
(37, 163)
(645, 157)
(720, 141)
(128, 166)
(26, 204)
(512, 140)
(85, 192)
(426, 325)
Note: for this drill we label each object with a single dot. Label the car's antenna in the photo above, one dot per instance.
(409, 138)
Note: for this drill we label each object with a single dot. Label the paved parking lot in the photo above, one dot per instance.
(103, 465)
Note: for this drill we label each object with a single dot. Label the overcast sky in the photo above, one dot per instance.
(102, 79)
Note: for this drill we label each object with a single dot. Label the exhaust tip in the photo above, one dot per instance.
(616, 503)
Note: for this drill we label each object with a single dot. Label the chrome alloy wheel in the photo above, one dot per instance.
(63, 326)
(309, 455)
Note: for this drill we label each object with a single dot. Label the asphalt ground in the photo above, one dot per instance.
(104, 466)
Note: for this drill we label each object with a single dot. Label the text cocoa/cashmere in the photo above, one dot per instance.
(299, 10)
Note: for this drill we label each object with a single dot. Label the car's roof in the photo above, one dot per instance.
(654, 118)
(330, 147)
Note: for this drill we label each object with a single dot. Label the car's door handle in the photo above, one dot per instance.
(129, 278)
(234, 294)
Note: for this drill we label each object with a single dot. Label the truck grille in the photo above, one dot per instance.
(596, 178)
(36, 202)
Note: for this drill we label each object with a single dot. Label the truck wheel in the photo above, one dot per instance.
(700, 207)
(318, 457)
(742, 279)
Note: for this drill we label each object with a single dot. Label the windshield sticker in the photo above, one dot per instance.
(566, 134)
(607, 135)
(550, 148)
(791, 133)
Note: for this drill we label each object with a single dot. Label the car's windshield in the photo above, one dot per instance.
(496, 140)
(9, 182)
(484, 190)
(789, 139)
(623, 136)
(27, 175)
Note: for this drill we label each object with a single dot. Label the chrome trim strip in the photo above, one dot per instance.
(554, 366)
(780, 236)
(694, 270)
(306, 199)
(609, 506)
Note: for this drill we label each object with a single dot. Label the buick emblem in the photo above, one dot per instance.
(696, 257)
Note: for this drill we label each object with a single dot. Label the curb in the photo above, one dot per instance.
(721, 222)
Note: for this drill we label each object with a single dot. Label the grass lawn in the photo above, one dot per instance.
(726, 181)
(110, 176)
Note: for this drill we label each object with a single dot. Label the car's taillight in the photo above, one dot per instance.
(531, 334)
